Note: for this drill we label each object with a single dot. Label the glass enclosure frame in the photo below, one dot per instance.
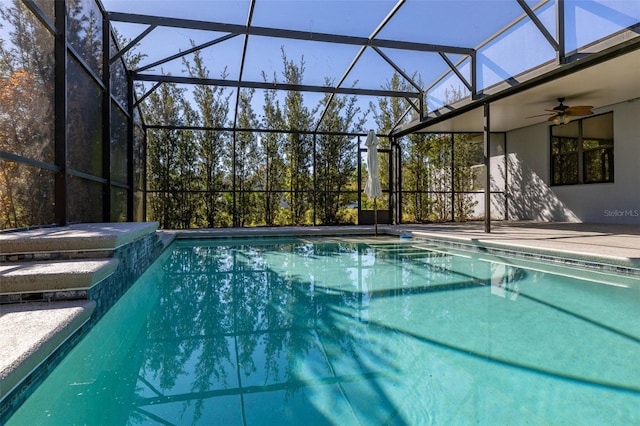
(90, 158)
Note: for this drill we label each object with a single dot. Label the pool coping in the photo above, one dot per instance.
(48, 326)
(439, 233)
(559, 256)
(82, 237)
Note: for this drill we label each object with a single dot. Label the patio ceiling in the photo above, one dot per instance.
(353, 47)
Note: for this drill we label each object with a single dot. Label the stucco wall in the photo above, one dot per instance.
(531, 197)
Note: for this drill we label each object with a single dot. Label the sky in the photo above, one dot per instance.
(461, 23)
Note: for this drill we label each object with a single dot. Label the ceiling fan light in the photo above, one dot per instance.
(556, 120)
(566, 119)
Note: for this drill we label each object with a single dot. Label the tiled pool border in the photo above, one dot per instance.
(562, 258)
(601, 264)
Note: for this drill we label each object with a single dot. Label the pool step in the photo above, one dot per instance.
(62, 263)
(30, 332)
(88, 240)
(52, 280)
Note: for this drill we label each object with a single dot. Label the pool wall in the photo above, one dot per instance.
(134, 258)
(598, 262)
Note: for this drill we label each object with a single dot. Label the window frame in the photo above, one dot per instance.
(581, 153)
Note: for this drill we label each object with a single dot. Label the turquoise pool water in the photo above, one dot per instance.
(370, 332)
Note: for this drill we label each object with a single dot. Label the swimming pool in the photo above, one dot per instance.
(360, 331)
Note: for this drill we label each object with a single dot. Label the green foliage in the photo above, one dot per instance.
(438, 169)
(297, 146)
(246, 162)
(336, 157)
(167, 153)
(270, 176)
(207, 175)
(214, 147)
(26, 117)
(468, 161)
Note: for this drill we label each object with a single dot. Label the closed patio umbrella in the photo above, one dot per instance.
(372, 187)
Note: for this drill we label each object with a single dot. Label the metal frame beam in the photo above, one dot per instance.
(187, 52)
(40, 15)
(284, 34)
(258, 130)
(403, 115)
(149, 92)
(273, 86)
(534, 18)
(397, 68)
(106, 120)
(568, 68)
(473, 55)
(132, 43)
(457, 72)
(560, 32)
(61, 143)
(342, 79)
(487, 167)
(131, 166)
(355, 60)
(235, 114)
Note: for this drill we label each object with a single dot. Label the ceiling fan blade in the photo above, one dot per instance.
(579, 110)
(563, 111)
(539, 115)
(580, 113)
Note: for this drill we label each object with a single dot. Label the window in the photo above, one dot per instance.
(582, 151)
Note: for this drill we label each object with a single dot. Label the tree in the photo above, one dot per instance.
(336, 155)
(187, 171)
(390, 110)
(165, 105)
(270, 176)
(439, 152)
(298, 145)
(416, 178)
(84, 23)
(467, 153)
(26, 117)
(387, 113)
(246, 161)
(213, 108)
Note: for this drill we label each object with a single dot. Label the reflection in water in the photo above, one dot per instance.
(345, 333)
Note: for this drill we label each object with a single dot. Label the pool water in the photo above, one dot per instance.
(353, 332)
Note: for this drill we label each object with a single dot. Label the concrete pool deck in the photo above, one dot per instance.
(613, 244)
(617, 245)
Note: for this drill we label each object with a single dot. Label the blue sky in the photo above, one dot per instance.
(464, 23)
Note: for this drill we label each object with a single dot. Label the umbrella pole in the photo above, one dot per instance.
(375, 214)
